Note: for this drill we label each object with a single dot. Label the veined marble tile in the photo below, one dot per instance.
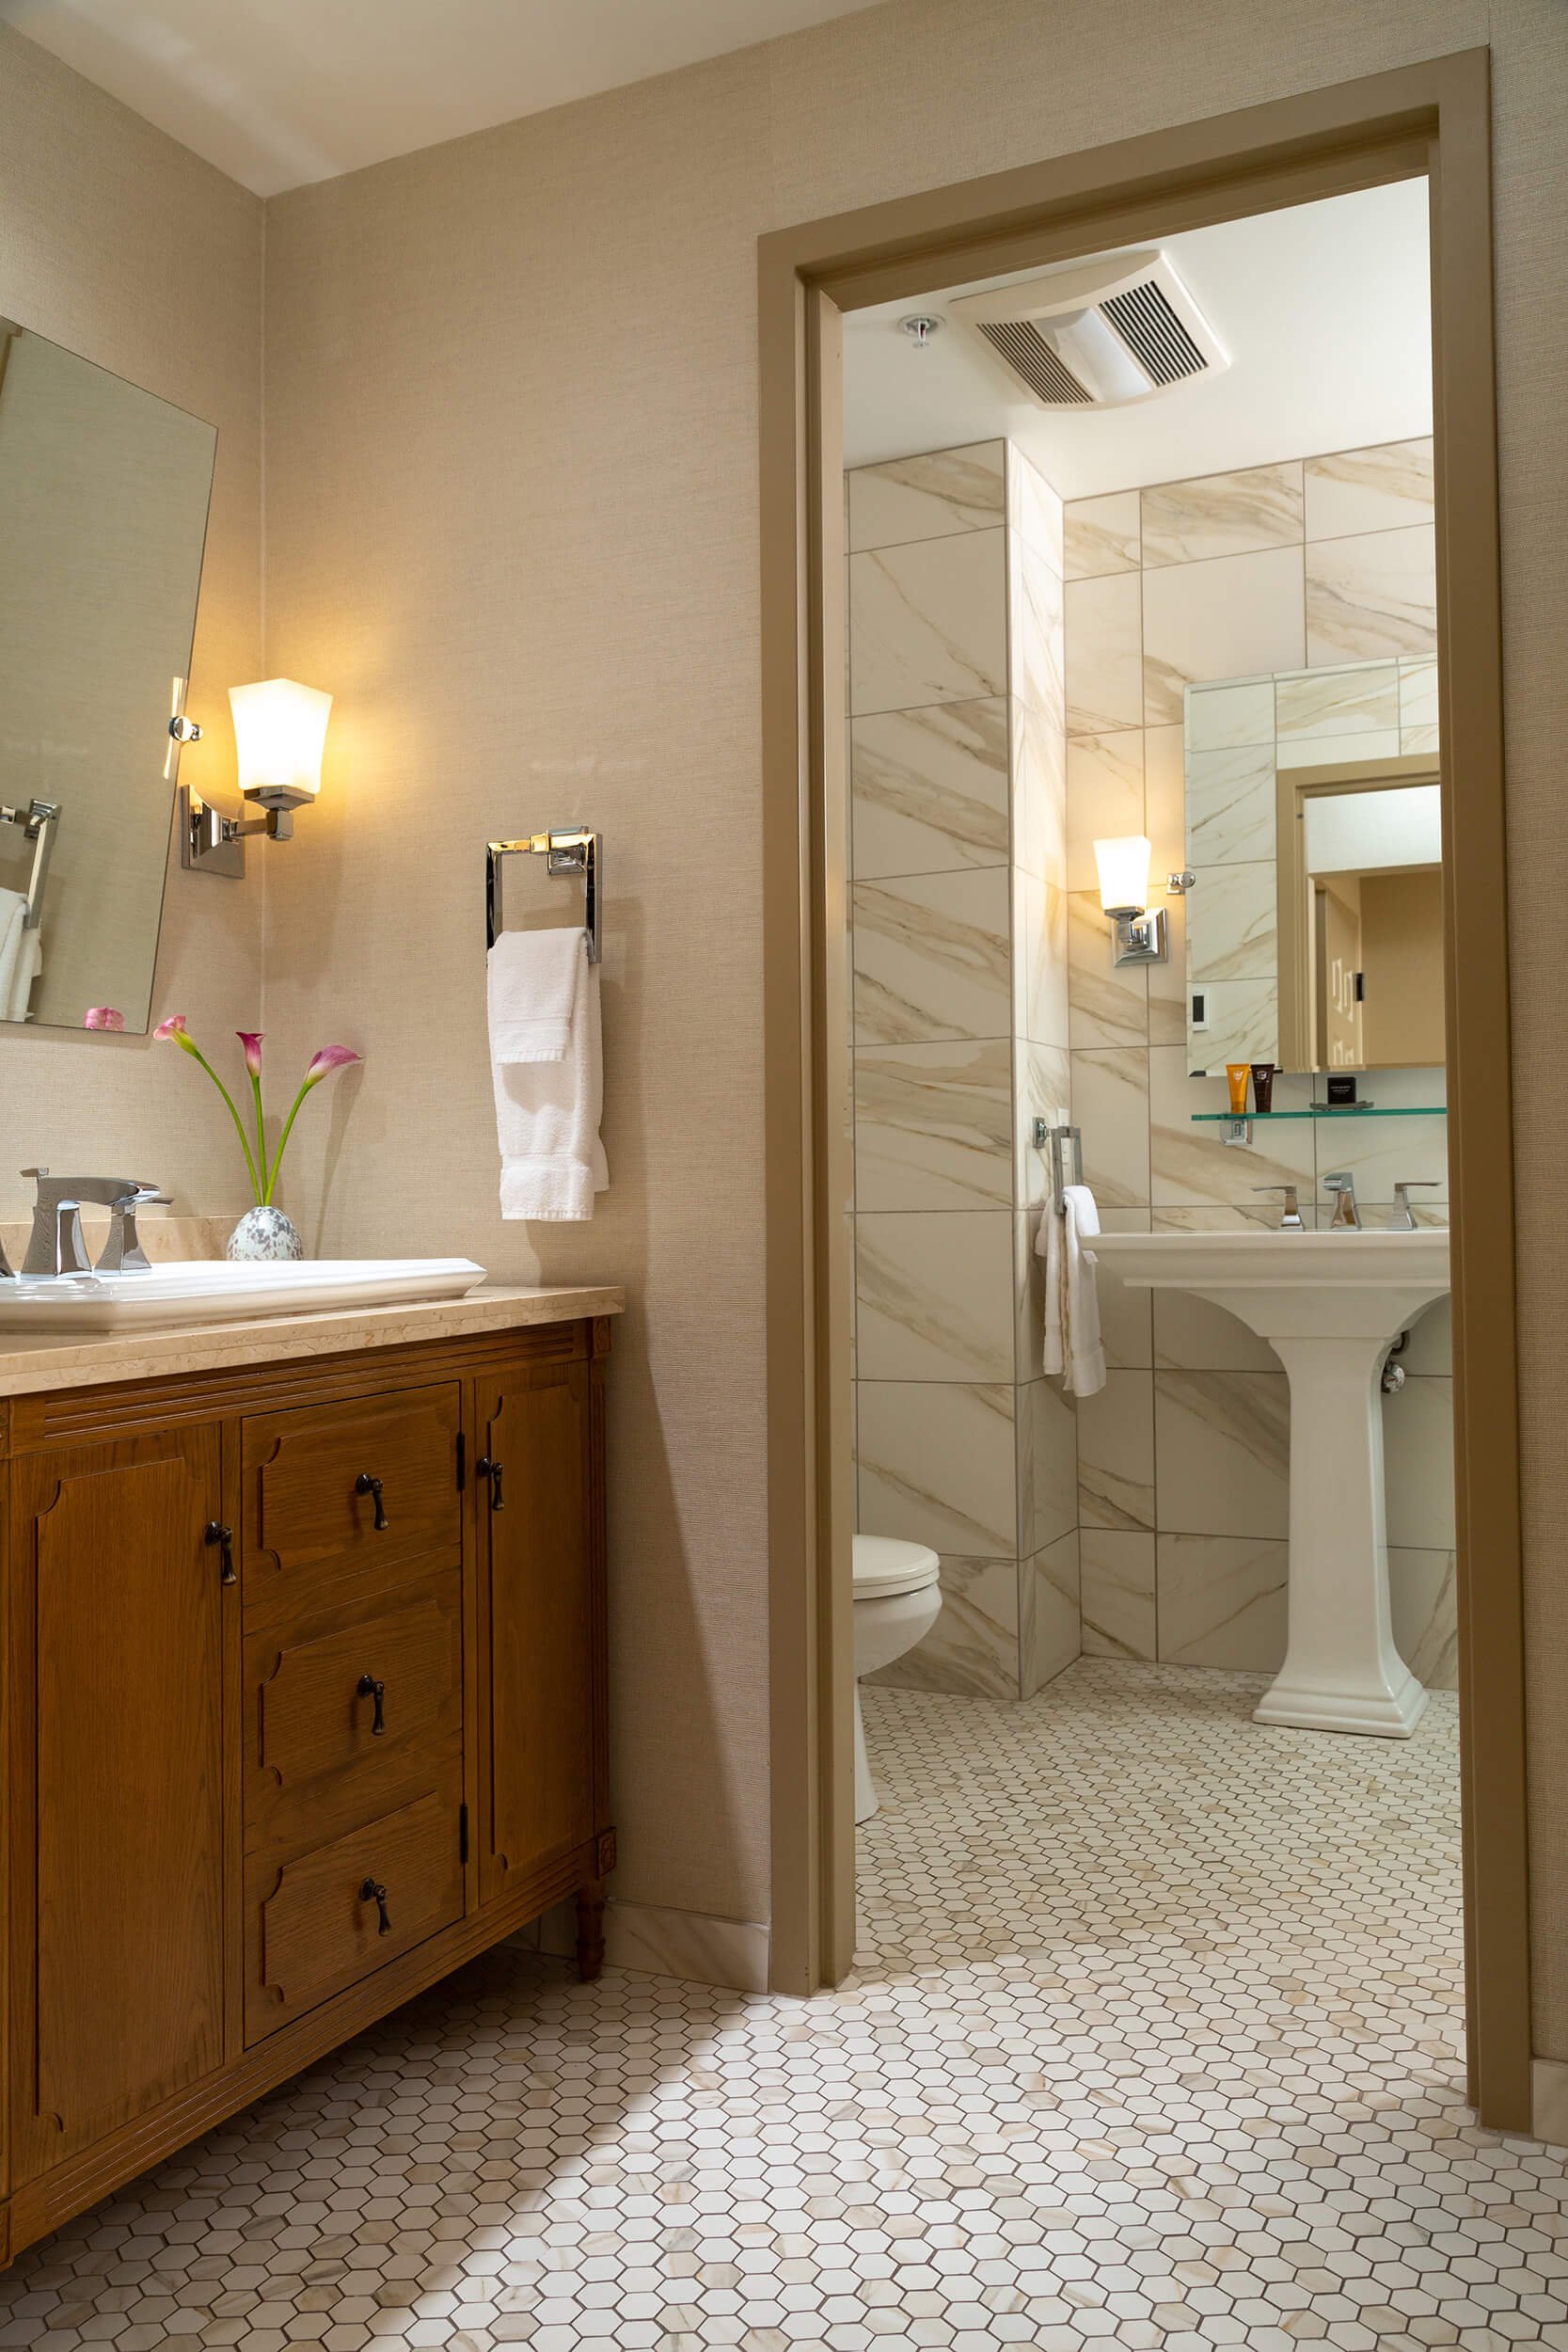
(1101, 535)
(934, 1296)
(1418, 1463)
(1043, 1088)
(1188, 1163)
(933, 1125)
(1034, 509)
(1116, 1453)
(1229, 717)
(1222, 1451)
(932, 958)
(1036, 634)
(929, 496)
(1231, 807)
(1233, 923)
(1242, 1024)
(1104, 654)
(1108, 1003)
(1216, 1217)
(937, 1465)
(1029, 1301)
(1125, 1321)
(928, 623)
(1115, 1586)
(1424, 1602)
(1226, 514)
(1167, 982)
(1230, 617)
(1372, 596)
(1339, 750)
(1164, 800)
(1110, 1103)
(1379, 1152)
(1050, 1626)
(1104, 798)
(972, 1647)
(929, 788)
(1039, 959)
(1047, 1465)
(1418, 721)
(1354, 700)
(1039, 793)
(1370, 490)
(1193, 1334)
(1222, 1602)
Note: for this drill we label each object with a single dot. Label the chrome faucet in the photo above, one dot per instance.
(56, 1246)
(1404, 1218)
(1289, 1214)
(1345, 1211)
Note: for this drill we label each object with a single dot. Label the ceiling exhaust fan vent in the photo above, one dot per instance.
(1098, 336)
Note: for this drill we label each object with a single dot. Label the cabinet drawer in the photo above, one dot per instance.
(316, 1754)
(316, 1924)
(313, 1503)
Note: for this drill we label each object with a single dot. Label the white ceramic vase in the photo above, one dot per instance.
(265, 1234)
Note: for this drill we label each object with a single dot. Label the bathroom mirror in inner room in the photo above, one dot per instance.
(1314, 918)
(103, 497)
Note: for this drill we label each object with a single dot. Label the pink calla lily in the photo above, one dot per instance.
(263, 1172)
(327, 1059)
(103, 1017)
(251, 1041)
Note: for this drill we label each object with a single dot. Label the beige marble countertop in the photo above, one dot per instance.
(30, 1361)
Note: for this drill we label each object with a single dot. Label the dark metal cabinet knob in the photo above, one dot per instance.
(492, 1470)
(373, 1892)
(369, 1688)
(365, 1485)
(224, 1538)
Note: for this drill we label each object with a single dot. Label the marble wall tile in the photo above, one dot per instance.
(1043, 1088)
(1050, 1623)
(1222, 1602)
(933, 1126)
(1194, 1335)
(932, 958)
(1164, 798)
(1372, 596)
(1116, 1453)
(1418, 1463)
(1048, 1466)
(1188, 1163)
(1036, 638)
(1230, 806)
(1107, 1002)
(1424, 1603)
(1034, 512)
(928, 623)
(934, 1296)
(972, 1648)
(1039, 793)
(1104, 654)
(1386, 488)
(1040, 969)
(1167, 982)
(1029, 1295)
(1221, 1453)
(1101, 535)
(1308, 751)
(1116, 1593)
(1104, 798)
(1225, 1216)
(1126, 1320)
(1110, 1103)
(1379, 1152)
(1418, 706)
(1229, 618)
(928, 789)
(927, 497)
(1229, 718)
(1243, 1023)
(937, 1465)
(1352, 701)
(1226, 514)
(1233, 923)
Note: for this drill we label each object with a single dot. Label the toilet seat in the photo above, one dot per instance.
(884, 1566)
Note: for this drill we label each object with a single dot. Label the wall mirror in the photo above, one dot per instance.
(103, 498)
(1314, 933)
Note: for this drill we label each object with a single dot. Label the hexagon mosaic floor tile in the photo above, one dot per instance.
(1153, 2039)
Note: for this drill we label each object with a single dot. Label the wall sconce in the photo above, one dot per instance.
(279, 731)
(1139, 933)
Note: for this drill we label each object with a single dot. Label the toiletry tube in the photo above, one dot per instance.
(1262, 1086)
(1236, 1076)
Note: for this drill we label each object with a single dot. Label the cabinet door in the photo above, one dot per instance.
(117, 1696)
(541, 1620)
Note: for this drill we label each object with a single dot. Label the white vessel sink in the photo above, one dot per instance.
(209, 1290)
(1329, 1304)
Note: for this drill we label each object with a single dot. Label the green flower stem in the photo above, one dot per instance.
(195, 1051)
(284, 1142)
(261, 1139)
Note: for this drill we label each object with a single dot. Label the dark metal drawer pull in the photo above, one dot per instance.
(369, 1688)
(224, 1536)
(373, 1892)
(365, 1485)
(492, 1470)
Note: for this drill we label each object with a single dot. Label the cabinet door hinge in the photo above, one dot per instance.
(462, 1833)
(462, 1461)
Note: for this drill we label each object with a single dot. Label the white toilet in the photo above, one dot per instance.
(897, 1601)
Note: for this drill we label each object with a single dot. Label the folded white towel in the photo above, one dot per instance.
(548, 1112)
(21, 955)
(531, 984)
(1072, 1345)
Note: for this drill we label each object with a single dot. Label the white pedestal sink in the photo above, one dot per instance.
(1329, 1304)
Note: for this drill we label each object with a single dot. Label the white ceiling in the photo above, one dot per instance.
(1324, 311)
(280, 93)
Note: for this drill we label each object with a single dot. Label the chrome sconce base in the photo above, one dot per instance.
(1140, 935)
(211, 843)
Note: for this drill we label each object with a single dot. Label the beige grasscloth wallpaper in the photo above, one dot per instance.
(511, 522)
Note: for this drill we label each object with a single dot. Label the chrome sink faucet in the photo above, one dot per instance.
(1345, 1211)
(1404, 1218)
(57, 1247)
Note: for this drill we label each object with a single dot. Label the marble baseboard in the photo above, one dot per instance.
(654, 1941)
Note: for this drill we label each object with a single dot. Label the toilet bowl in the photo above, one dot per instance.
(897, 1601)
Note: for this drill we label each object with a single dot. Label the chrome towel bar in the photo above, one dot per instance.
(39, 822)
(574, 850)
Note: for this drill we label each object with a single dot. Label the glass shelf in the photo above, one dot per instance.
(1337, 1110)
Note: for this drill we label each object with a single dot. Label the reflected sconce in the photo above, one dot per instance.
(1139, 932)
(279, 733)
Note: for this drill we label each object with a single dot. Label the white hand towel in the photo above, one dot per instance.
(1072, 1345)
(21, 955)
(531, 983)
(548, 1112)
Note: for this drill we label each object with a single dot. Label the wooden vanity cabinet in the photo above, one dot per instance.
(305, 1705)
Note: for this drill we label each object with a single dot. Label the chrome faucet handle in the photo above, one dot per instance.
(1404, 1218)
(71, 1249)
(1290, 1215)
(122, 1253)
(1342, 1185)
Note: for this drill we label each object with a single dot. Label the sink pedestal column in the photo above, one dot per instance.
(1342, 1671)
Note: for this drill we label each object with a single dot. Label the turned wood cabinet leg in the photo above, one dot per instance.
(590, 1929)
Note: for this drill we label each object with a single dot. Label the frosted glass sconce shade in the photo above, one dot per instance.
(1123, 864)
(279, 732)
